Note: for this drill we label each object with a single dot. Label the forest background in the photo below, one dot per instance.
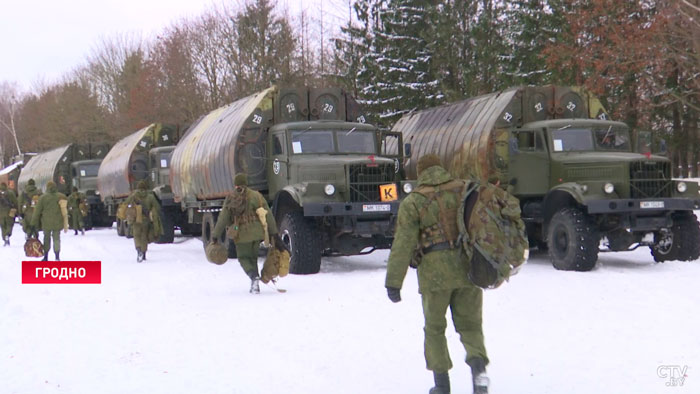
(641, 58)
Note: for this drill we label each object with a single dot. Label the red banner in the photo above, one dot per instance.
(62, 272)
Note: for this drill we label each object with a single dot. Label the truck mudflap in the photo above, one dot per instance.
(358, 209)
(654, 206)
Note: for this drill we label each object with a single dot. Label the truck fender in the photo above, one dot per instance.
(287, 199)
(564, 195)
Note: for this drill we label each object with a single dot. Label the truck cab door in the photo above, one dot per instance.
(278, 165)
(529, 163)
(391, 146)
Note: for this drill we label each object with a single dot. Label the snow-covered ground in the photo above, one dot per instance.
(178, 324)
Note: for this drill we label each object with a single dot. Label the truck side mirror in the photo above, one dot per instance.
(407, 150)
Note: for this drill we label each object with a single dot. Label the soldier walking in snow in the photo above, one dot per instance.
(8, 210)
(51, 215)
(247, 219)
(427, 223)
(143, 215)
(76, 215)
(27, 202)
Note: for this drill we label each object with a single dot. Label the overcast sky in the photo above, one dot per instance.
(45, 39)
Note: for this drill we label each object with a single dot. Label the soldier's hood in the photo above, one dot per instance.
(51, 188)
(435, 175)
(30, 189)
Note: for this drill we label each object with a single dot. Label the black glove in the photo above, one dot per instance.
(279, 244)
(394, 294)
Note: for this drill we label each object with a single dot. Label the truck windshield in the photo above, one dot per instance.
(88, 170)
(572, 139)
(324, 141)
(612, 138)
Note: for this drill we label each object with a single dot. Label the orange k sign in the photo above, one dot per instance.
(388, 192)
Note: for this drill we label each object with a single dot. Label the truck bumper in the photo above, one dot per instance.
(646, 207)
(357, 209)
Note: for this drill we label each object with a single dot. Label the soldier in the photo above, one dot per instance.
(247, 219)
(76, 215)
(51, 215)
(427, 223)
(27, 203)
(143, 215)
(8, 210)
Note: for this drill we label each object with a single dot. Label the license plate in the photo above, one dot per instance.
(651, 204)
(376, 208)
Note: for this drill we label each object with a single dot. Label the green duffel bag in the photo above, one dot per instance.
(216, 253)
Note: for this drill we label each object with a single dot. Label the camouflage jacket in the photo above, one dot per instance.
(26, 198)
(8, 200)
(245, 227)
(74, 200)
(438, 270)
(47, 213)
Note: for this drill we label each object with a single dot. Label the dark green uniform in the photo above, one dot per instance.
(442, 274)
(50, 218)
(146, 226)
(74, 213)
(242, 224)
(27, 203)
(8, 210)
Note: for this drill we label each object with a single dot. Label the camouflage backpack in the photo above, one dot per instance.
(494, 232)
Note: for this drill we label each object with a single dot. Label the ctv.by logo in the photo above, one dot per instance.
(674, 373)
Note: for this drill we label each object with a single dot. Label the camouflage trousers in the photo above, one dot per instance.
(466, 306)
(56, 236)
(140, 231)
(247, 253)
(29, 230)
(6, 222)
(76, 220)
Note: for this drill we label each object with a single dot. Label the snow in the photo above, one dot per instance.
(178, 324)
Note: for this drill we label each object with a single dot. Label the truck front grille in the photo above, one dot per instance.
(650, 179)
(365, 180)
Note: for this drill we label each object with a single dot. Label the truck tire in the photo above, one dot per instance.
(166, 219)
(208, 224)
(120, 227)
(302, 238)
(572, 241)
(681, 242)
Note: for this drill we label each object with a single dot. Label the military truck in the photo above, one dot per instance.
(67, 166)
(141, 155)
(327, 177)
(10, 174)
(577, 176)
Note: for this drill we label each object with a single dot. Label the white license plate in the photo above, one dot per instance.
(651, 204)
(376, 208)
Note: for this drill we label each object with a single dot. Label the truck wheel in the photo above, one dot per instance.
(301, 237)
(572, 240)
(207, 228)
(166, 219)
(120, 227)
(680, 242)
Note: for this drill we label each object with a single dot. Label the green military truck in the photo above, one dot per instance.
(579, 176)
(139, 156)
(67, 166)
(327, 177)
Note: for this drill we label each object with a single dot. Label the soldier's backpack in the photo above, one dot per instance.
(33, 248)
(492, 230)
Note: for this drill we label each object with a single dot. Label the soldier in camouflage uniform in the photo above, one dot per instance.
(247, 219)
(8, 210)
(143, 214)
(429, 226)
(51, 215)
(76, 215)
(27, 202)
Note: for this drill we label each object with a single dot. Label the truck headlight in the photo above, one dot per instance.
(407, 188)
(681, 187)
(608, 188)
(329, 189)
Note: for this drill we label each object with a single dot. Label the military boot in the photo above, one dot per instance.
(442, 383)
(82, 231)
(479, 379)
(144, 255)
(46, 256)
(76, 232)
(255, 285)
(139, 255)
(7, 240)
(57, 254)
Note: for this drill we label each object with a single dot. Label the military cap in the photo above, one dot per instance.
(240, 180)
(427, 161)
(142, 185)
(31, 182)
(50, 184)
